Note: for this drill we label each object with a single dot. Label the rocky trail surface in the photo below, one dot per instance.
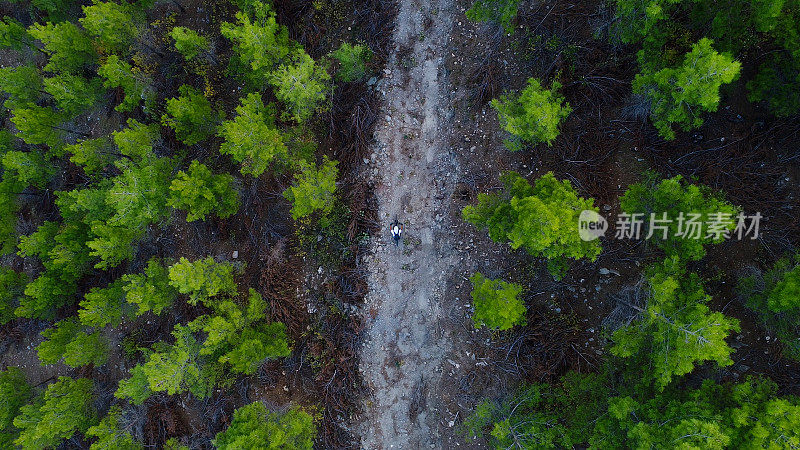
(406, 343)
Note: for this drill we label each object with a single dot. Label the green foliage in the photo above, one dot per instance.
(69, 47)
(12, 285)
(534, 115)
(91, 154)
(111, 23)
(174, 444)
(119, 74)
(252, 138)
(639, 19)
(683, 203)
(188, 42)
(352, 61)
(22, 84)
(178, 369)
(675, 330)
(501, 12)
(240, 337)
(38, 125)
(679, 95)
(150, 290)
(313, 189)
(542, 218)
(586, 410)
(191, 116)
(200, 192)
(135, 388)
(497, 303)
(73, 94)
(69, 340)
(110, 433)
(301, 85)
(258, 45)
(10, 187)
(139, 194)
(202, 279)
(14, 393)
(103, 306)
(775, 297)
(13, 35)
(254, 427)
(777, 83)
(29, 168)
(542, 415)
(64, 409)
(65, 258)
(136, 141)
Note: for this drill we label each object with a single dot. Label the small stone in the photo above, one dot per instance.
(235, 254)
(371, 81)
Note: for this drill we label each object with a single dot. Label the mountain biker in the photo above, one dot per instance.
(396, 229)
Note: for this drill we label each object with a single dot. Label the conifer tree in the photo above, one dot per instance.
(137, 88)
(679, 95)
(150, 290)
(501, 12)
(200, 192)
(22, 84)
(301, 84)
(188, 42)
(534, 115)
(191, 116)
(202, 279)
(683, 204)
(251, 138)
(91, 154)
(258, 45)
(103, 306)
(69, 341)
(675, 330)
(29, 168)
(111, 23)
(110, 433)
(64, 409)
(15, 392)
(73, 94)
(68, 46)
(542, 218)
(313, 189)
(254, 426)
(352, 61)
(497, 303)
(13, 34)
(239, 337)
(37, 125)
(12, 285)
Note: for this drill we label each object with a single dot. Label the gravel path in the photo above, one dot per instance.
(406, 343)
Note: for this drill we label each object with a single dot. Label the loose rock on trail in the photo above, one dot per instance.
(406, 343)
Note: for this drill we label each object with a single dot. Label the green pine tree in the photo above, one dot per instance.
(496, 302)
(679, 95)
(200, 192)
(191, 116)
(534, 115)
(251, 138)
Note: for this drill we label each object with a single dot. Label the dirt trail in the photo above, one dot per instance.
(405, 346)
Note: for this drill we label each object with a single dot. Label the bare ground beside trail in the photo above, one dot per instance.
(414, 175)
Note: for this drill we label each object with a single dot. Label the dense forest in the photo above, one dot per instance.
(190, 203)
